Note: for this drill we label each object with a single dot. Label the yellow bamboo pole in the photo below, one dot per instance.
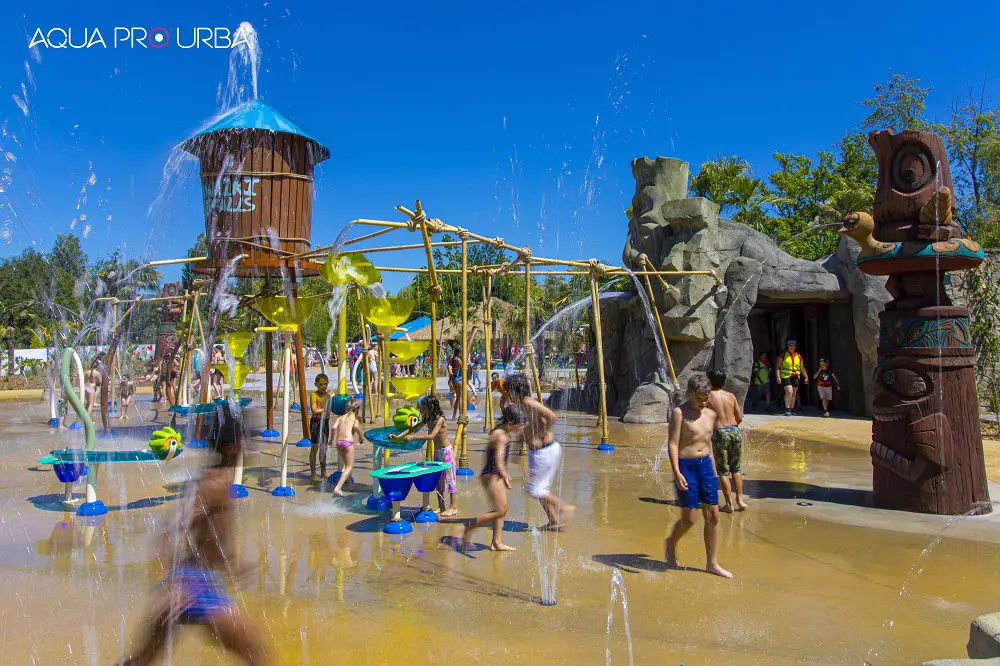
(488, 420)
(528, 349)
(344, 366)
(114, 364)
(376, 234)
(595, 302)
(463, 395)
(418, 246)
(369, 401)
(659, 324)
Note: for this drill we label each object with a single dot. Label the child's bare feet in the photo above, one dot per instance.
(501, 547)
(718, 571)
(742, 505)
(728, 508)
(670, 554)
(450, 512)
(463, 544)
(314, 478)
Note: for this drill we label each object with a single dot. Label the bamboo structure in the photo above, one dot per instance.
(488, 421)
(463, 392)
(529, 350)
(659, 324)
(602, 396)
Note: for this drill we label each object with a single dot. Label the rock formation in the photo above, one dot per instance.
(705, 322)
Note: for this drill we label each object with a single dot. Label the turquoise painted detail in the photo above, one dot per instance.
(204, 407)
(386, 438)
(945, 332)
(101, 457)
(410, 470)
(905, 251)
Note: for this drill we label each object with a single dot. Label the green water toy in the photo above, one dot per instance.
(406, 417)
(166, 444)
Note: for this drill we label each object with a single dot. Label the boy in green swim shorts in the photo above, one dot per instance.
(727, 440)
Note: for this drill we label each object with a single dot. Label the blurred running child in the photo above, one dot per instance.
(544, 452)
(195, 590)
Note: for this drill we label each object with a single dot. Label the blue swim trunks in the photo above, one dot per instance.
(703, 484)
(204, 592)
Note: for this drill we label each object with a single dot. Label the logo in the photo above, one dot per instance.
(235, 195)
(135, 37)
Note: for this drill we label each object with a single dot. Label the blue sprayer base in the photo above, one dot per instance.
(238, 491)
(75, 426)
(270, 433)
(283, 491)
(548, 602)
(377, 503)
(296, 407)
(95, 508)
(606, 447)
(303, 443)
(54, 422)
(397, 527)
(197, 444)
(336, 477)
(465, 471)
(425, 517)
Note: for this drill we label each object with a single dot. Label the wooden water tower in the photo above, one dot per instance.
(257, 190)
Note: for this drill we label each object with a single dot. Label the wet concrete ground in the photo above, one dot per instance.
(820, 578)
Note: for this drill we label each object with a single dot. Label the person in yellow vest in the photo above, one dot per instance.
(790, 370)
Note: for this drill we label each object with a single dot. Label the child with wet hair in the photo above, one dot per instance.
(727, 440)
(319, 414)
(432, 418)
(345, 431)
(690, 446)
(495, 479)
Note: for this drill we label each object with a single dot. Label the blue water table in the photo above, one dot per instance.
(391, 485)
(70, 465)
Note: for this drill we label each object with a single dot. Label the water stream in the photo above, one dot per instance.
(618, 588)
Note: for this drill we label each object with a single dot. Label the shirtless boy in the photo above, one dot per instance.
(690, 446)
(195, 591)
(727, 439)
(544, 452)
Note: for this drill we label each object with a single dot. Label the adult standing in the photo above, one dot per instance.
(791, 370)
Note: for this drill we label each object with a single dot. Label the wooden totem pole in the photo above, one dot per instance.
(926, 449)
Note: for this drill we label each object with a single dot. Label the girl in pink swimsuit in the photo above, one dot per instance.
(437, 429)
(345, 431)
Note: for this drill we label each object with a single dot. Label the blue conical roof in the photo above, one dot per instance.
(256, 115)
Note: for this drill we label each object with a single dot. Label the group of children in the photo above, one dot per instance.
(524, 419)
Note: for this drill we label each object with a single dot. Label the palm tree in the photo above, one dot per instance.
(846, 201)
(716, 180)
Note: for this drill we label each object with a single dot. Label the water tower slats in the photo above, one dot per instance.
(284, 146)
(297, 218)
(267, 183)
(252, 183)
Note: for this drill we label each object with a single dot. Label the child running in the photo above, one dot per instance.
(345, 431)
(544, 452)
(690, 446)
(194, 592)
(495, 479)
(727, 439)
(437, 429)
(825, 379)
(319, 413)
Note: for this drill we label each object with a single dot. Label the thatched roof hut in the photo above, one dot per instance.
(450, 328)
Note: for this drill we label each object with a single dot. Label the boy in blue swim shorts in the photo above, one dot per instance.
(690, 446)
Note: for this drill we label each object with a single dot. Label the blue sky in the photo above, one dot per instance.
(518, 119)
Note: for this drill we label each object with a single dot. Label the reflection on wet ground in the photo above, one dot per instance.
(819, 573)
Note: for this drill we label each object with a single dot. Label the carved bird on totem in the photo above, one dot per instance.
(860, 226)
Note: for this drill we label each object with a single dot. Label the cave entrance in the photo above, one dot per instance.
(821, 330)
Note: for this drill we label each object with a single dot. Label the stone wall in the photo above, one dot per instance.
(705, 322)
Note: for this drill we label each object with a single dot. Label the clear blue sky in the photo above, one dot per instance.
(517, 119)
